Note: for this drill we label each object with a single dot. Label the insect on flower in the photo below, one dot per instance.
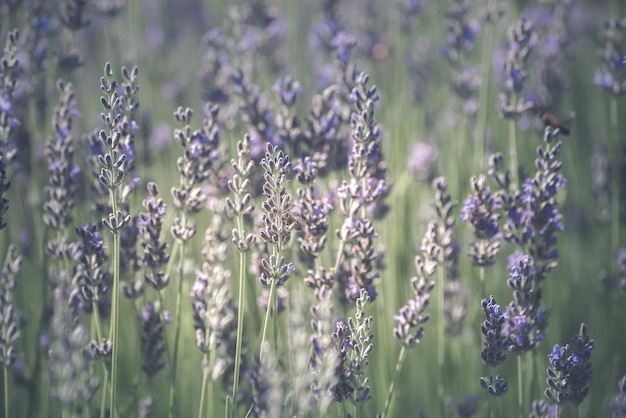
(295, 221)
(549, 119)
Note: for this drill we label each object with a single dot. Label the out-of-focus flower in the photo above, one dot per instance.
(422, 160)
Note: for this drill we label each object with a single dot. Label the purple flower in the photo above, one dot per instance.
(570, 370)
(496, 342)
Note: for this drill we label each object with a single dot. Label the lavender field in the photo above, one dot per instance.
(313, 208)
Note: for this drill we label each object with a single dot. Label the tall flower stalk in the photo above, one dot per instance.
(114, 162)
(276, 230)
(411, 318)
(240, 203)
(194, 167)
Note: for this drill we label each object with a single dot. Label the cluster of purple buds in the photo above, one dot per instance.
(241, 202)
(410, 318)
(525, 319)
(570, 370)
(522, 40)
(286, 122)
(325, 143)
(462, 32)
(115, 152)
(277, 224)
(256, 111)
(553, 24)
(196, 165)
(610, 76)
(91, 279)
(496, 343)
(64, 173)
(455, 308)
(353, 344)
(480, 210)
(155, 252)
(312, 211)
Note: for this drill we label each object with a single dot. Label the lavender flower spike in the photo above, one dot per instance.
(9, 316)
(570, 370)
(495, 346)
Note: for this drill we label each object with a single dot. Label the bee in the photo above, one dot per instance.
(295, 221)
(549, 119)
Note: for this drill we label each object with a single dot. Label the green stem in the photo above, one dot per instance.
(202, 394)
(5, 373)
(181, 263)
(441, 338)
(520, 400)
(267, 315)
(513, 151)
(481, 141)
(615, 180)
(396, 374)
(556, 410)
(210, 385)
(491, 406)
(240, 317)
(115, 311)
(105, 386)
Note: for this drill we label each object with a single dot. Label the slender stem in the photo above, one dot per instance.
(240, 317)
(615, 180)
(513, 151)
(556, 411)
(105, 386)
(181, 263)
(441, 338)
(210, 385)
(520, 400)
(491, 406)
(396, 374)
(5, 376)
(202, 394)
(267, 315)
(484, 95)
(115, 309)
